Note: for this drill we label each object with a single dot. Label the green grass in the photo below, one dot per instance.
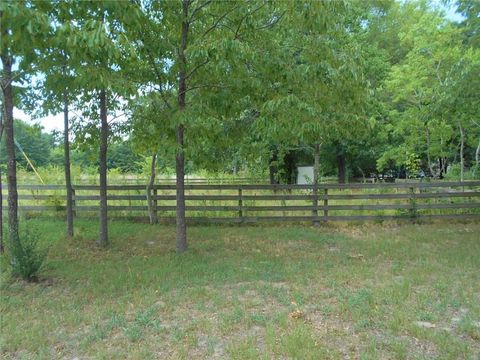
(249, 293)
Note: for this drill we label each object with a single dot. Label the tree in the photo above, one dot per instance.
(97, 43)
(2, 249)
(24, 27)
(470, 9)
(197, 53)
(319, 95)
(417, 85)
(56, 90)
(150, 138)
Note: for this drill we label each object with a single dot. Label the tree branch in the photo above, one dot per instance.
(196, 68)
(205, 86)
(151, 60)
(235, 37)
(78, 116)
(116, 117)
(200, 7)
(215, 24)
(273, 23)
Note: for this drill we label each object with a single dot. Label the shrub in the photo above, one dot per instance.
(453, 173)
(26, 257)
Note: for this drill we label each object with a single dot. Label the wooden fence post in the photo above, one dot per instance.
(325, 205)
(240, 203)
(413, 204)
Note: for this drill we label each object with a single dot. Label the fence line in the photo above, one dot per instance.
(247, 203)
(397, 185)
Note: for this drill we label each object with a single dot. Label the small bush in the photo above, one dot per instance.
(453, 173)
(26, 257)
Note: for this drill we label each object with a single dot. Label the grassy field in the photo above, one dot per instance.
(377, 291)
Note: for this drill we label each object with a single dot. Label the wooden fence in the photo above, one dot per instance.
(236, 203)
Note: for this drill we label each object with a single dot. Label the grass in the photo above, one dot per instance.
(376, 291)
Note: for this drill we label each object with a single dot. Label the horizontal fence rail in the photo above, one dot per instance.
(248, 203)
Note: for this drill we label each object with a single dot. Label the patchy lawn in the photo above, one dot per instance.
(336, 292)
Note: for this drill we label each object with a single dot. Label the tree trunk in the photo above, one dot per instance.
(273, 169)
(10, 149)
(290, 166)
(429, 162)
(2, 248)
(151, 205)
(68, 178)
(180, 185)
(462, 145)
(180, 156)
(440, 167)
(341, 168)
(316, 173)
(103, 238)
(477, 155)
(316, 164)
(364, 179)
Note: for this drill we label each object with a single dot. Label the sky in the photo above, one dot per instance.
(55, 122)
(49, 123)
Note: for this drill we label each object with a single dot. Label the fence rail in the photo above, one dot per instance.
(247, 203)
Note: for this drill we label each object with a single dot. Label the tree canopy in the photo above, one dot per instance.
(358, 88)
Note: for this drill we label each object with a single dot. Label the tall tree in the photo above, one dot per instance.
(417, 88)
(57, 89)
(97, 44)
(24, 26)
(318, 96)
(1, 190)
(198, 51)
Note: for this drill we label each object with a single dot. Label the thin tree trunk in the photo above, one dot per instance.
(2, 248)
(364, 179)
(10, 149)
(103, 238)
(235, 167)
(440, 167)
(316, 173)
(68, 178)
(316, 164)
(180, 194)
(273, 169)
(150, 202)
(477, 155)
(180, 156)
(429, 162)
(462, 145)
(341, 168)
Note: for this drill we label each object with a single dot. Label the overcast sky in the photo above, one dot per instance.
(55, 122)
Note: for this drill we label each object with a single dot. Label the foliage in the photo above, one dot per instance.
(399, 77)
(26, 256)
(35, 143)
(453, 173)
(412, 165)
(250, 86)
